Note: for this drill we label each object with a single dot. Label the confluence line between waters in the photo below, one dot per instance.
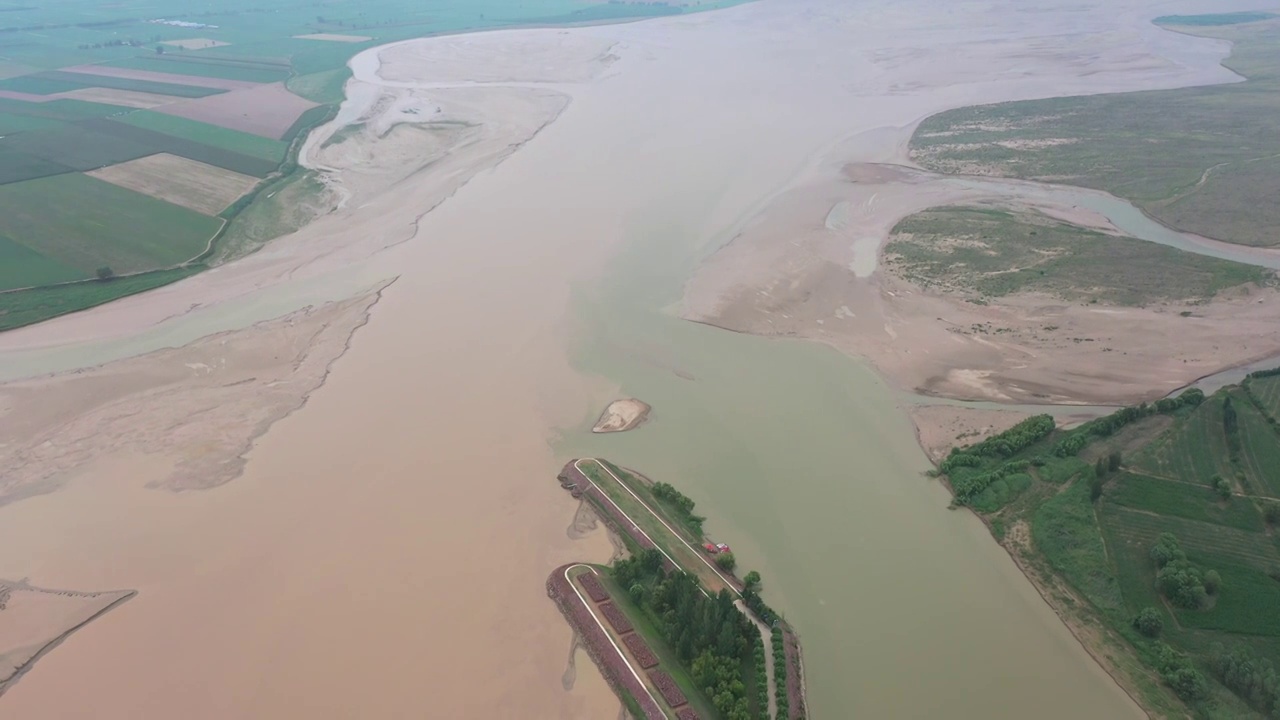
(605, 630)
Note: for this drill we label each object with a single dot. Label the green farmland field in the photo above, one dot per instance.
(1267, 391)
(182, 64)
(111, 226)
(1192, 451)
(1094, 526)
(59, 225)
(16, 165)
(58, 109)
(234, 141)
(25, 307)
(1193, 502)
(55, 81)
(75, 147)
(20, 267)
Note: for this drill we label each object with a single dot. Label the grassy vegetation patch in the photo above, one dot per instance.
(1193, 502)
(1174, 153)
(981, 252)
(1066, 531)
(111, 226)
(322, 87)
(1001, 492)
(27, 307)
(1059, 470)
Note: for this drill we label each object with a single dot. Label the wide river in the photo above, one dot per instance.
(384, 553)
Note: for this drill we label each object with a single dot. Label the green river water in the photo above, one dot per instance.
(801, 460)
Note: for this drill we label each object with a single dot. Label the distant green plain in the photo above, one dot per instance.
(57, 225)
(1204, 160)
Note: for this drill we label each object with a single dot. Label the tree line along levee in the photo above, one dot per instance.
(711, 650)
(1163, 520)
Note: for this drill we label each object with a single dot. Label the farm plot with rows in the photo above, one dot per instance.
(1192, 502)
(195, 185)
(1259, 449)
(1267, 390)
(1194, 450)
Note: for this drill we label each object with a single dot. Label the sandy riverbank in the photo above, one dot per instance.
(826, 284)
(323, 565)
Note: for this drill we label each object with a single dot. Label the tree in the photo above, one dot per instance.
(1100, 468)
(1166, 550)
(637, 593)
(1223, 488)
(1113, 461)
(105, 273)
(1271, 513)
(1212, 581)
(751, 581)
(1095, 488)
(1188, 683)
(1229, 422)
(726, 561)
(1184, 585)
(1148, 622)
(159, 49)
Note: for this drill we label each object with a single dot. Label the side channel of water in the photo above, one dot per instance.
(803, 462)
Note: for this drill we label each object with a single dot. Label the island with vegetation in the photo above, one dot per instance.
(1153, 532)
(673, 630)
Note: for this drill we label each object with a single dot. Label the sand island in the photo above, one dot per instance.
(622, 415)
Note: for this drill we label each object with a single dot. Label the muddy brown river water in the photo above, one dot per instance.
(383, 555)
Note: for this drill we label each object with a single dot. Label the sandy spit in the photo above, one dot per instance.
(622, 415)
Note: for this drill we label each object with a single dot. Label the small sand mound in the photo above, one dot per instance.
(622, 415)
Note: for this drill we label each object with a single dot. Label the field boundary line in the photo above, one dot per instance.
(607, 635)
(664, 524)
